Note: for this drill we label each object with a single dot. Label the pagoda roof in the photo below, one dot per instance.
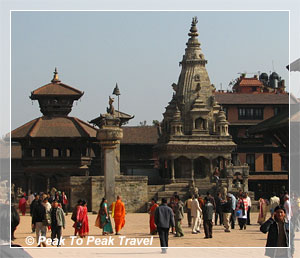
(139, 135)
(251, 98)
(56, 88)
(56, 127)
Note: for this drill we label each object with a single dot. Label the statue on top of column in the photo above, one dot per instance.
(111, 109)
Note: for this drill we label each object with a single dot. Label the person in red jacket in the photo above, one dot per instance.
(22, 204)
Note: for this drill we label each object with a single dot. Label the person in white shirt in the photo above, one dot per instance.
(287, 207)
(274, 202)
(248, 199)
(196, 215)
(47, 205)
(30, 198)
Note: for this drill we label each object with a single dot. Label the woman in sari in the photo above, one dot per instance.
(103, 220)
(82, 222)
(153, 229)
(22, 204)
(263, 209)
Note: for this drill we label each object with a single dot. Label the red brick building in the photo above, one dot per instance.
(251, 102)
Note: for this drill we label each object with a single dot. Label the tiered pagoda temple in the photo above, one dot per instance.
(54, 146)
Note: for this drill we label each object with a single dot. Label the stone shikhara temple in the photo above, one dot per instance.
(194, 137)
(64, 152)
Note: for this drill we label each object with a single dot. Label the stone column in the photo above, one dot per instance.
(172, 171)
(192, 170)
(109, 136)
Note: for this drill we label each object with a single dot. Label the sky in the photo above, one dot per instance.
(92, 54)
(140, 51)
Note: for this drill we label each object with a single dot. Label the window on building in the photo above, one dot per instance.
(250, 160)
(250, 113)
(276, 111)
(284, 163)
(57, 152)
(268, 162)
(69, 152)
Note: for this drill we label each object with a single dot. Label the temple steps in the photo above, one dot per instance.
(177, 186)
(168, 194)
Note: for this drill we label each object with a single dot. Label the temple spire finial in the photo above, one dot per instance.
(55, 77)
(194, 20)
(193, 31)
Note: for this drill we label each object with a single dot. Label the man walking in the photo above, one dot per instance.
(248, 199)
(208, 211)
(196, 215)
(274, 202)
(227, 211)
(57, 222)
(119, 215)
(218, 212)
(30, 198)
(38, 216)
(164, 218)
(33, 205)
(188, 205)
(233, 202)
(179, 213)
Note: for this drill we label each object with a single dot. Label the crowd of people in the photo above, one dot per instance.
(48, 213)
(167, 218)
(200, 211)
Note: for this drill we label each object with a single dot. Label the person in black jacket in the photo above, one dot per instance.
(278, 233)
(33, 204)
(164, 218)
(208, 211)
(38, 217)
(227, 211)
(218, 212)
